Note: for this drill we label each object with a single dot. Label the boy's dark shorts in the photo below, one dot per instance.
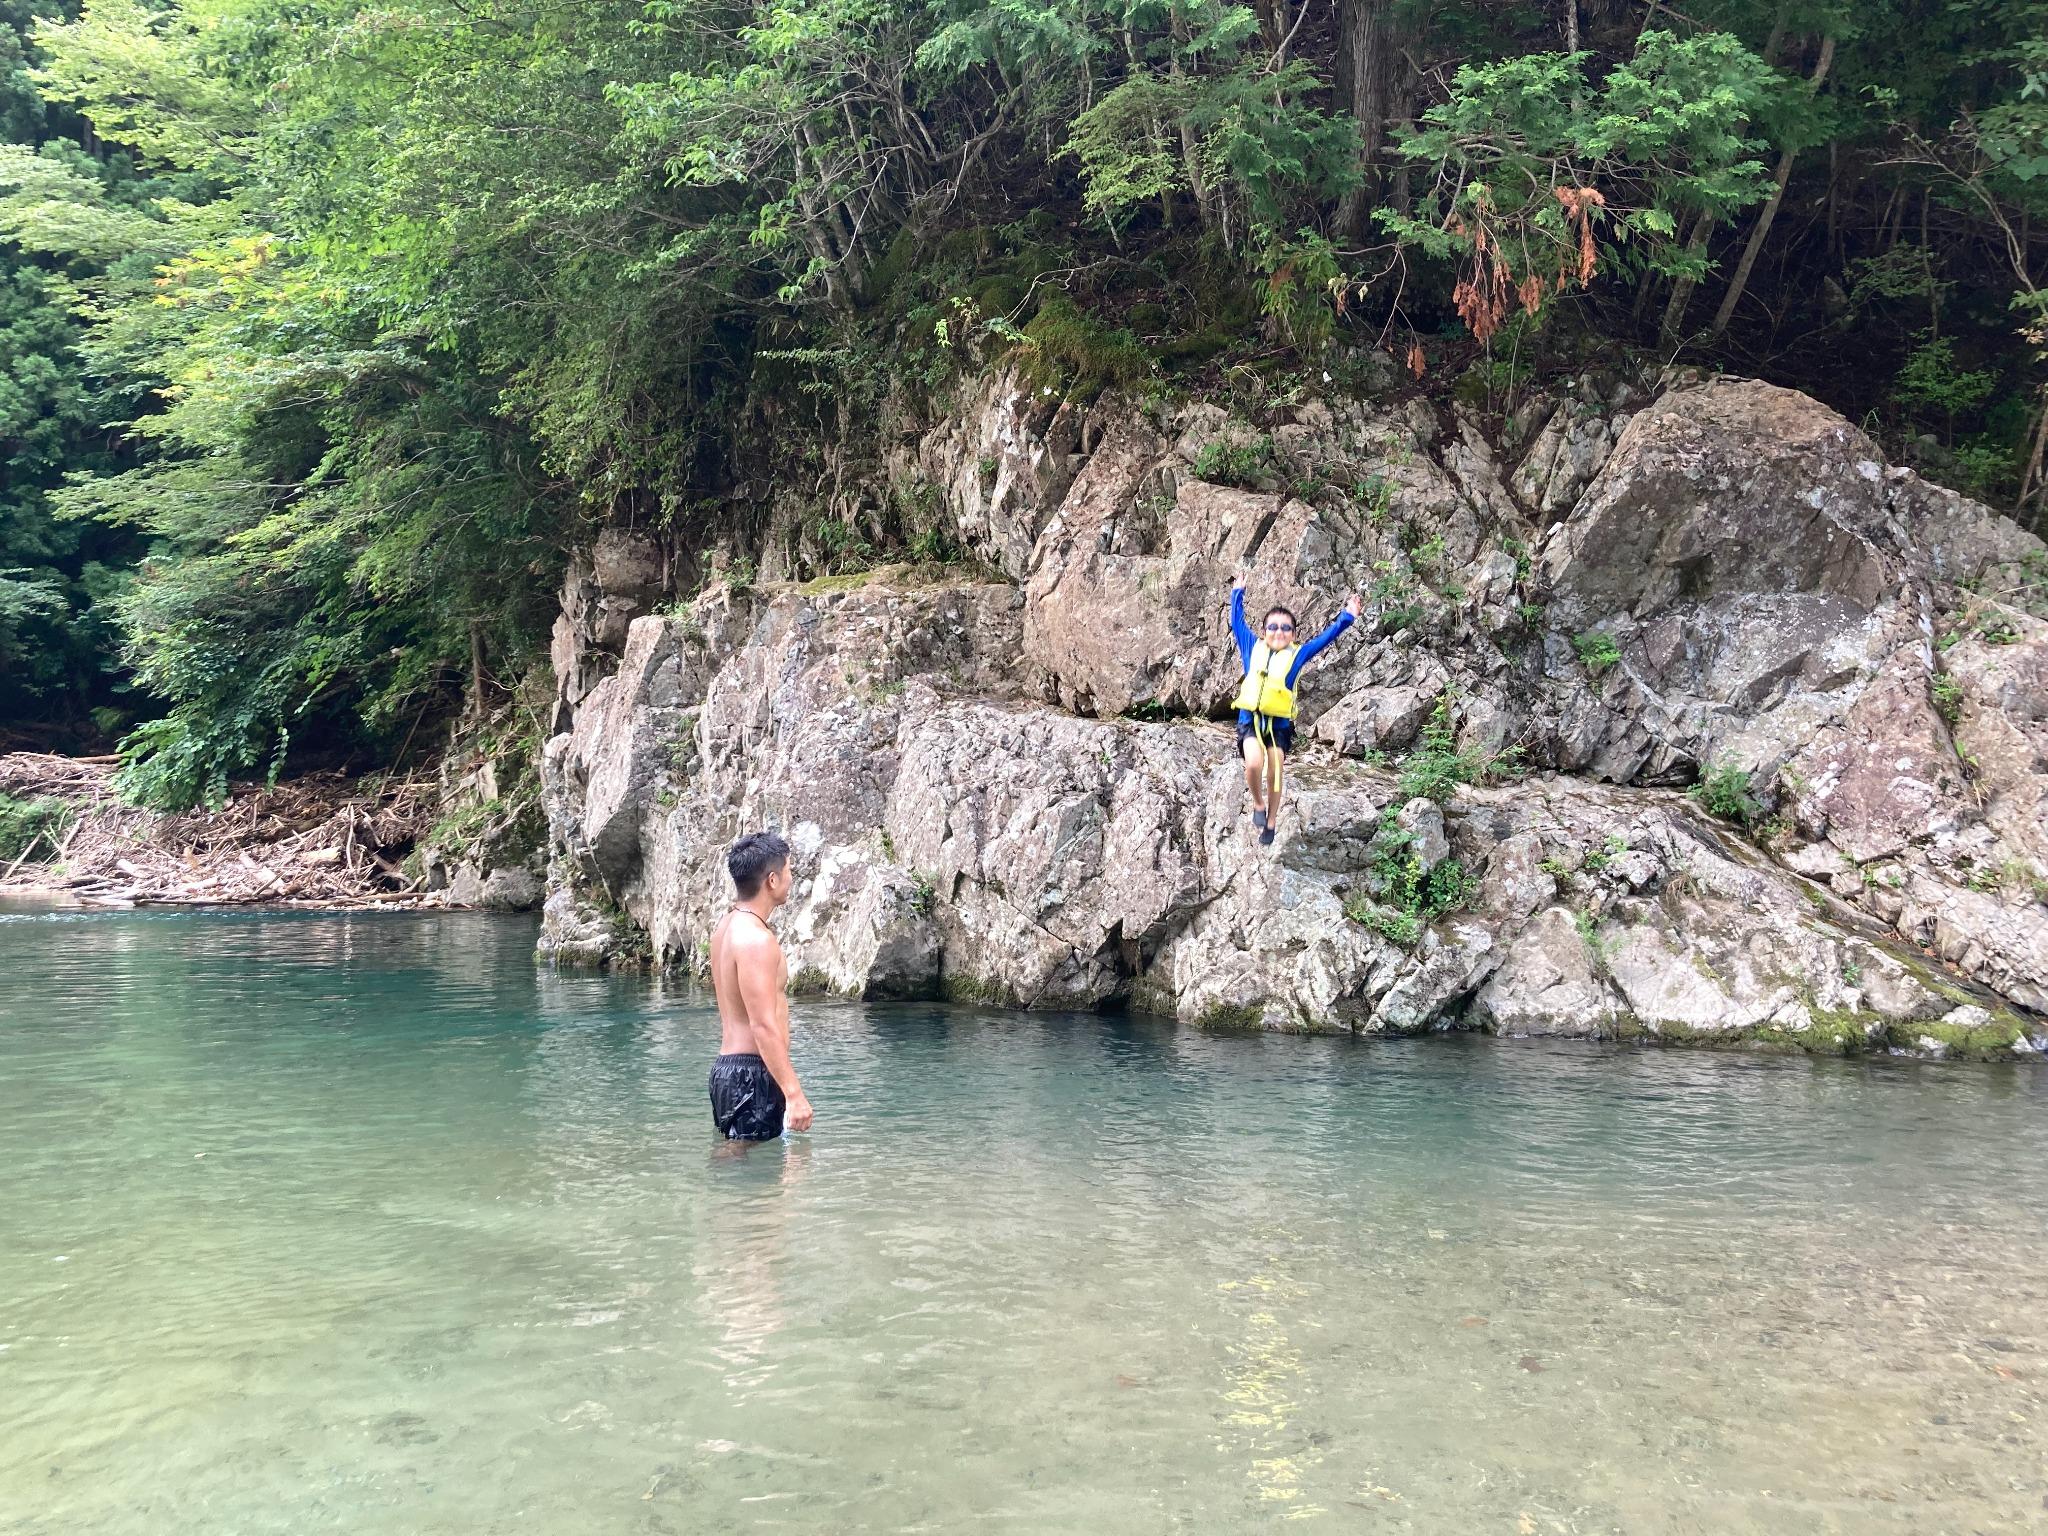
(1279, 732)
(746, 1101)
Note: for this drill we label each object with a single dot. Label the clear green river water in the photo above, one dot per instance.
(358, 1223)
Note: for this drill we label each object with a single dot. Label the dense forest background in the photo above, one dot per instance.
(326, 329)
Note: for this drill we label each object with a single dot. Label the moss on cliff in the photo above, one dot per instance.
(956, 988)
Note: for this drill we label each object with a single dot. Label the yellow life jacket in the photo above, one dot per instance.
(1265, 690)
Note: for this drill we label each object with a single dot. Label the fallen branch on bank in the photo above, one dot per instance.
(320, 840)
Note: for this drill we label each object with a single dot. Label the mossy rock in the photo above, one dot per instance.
(1231, 1016)
(975, 991)
(1992, 1040)
(1072, 352)
(810, 981)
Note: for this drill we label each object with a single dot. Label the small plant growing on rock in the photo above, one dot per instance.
(1948, 697)
(1395, 927)
(1429, 551)
(1531, 615)
(1242, 465)
(1597, 652)
(924, 895)
(932, 546)
(1375, 497)
(1435, 769)
(1725, 792)
(1588, 927)
(1606, 854)
(1394, 596)
(1413, 895)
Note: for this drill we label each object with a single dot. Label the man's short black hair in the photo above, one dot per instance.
(753, 858)
(1271, 611)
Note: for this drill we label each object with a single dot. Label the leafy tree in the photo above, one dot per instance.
(1536, 173)
(328, 328)
(57, 646)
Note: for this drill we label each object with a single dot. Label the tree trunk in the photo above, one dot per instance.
(2034, 485)
(1672, 331)
(477, 672)
(1764, 220)
(1368, 57)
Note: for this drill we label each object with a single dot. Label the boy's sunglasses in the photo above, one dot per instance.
(1285, 629)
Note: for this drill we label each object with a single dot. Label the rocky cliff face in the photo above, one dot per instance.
(1006, 786)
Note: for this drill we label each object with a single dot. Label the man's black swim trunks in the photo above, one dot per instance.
(746, 1101)
(1279, 732)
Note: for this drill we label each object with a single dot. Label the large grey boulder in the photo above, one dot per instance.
(1774, 590)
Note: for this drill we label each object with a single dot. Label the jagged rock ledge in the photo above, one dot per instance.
(983, 806)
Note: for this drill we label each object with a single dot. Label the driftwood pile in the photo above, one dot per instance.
(319, 840)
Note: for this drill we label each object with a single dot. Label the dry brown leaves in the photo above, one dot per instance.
(321, 839)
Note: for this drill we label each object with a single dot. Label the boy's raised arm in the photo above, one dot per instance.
(1238, 627)
(1338, 625)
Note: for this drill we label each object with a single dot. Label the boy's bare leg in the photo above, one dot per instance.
(1255, 771)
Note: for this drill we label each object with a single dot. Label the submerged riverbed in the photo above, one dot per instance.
(357, 1223)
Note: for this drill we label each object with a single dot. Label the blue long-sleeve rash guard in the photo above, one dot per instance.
(1309, 650)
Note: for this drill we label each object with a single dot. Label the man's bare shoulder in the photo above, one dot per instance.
(747, 938)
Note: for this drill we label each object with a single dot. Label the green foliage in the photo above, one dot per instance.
(1597, 651)
(1933, 378)
(1395, 597)
(1519, 552)
(1243, 464)
(1948, 697)
(1537, 175)
(1599, 948)
(1609, 850)
(32, 829)
(353, 322)
(1724, 791)
(1375, 498)
(58, 578)
(1207, 110)
(1066, 352)
(1435, 769)
(1410, 895)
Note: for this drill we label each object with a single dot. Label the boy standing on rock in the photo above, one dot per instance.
(1265, 701)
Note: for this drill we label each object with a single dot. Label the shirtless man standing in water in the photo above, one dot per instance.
(753, 1084)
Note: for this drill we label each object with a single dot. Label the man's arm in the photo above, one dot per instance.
(1241, 630)
(759, 963)
(1342, 622)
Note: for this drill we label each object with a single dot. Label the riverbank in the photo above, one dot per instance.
(322, 840)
